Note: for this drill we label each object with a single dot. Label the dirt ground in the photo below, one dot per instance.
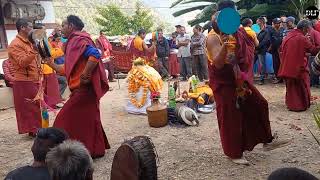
(185, 153)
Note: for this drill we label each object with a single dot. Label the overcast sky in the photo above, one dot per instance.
(162, 6)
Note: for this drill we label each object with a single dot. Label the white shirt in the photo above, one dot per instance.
(184, 51)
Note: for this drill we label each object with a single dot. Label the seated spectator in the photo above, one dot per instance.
(46, 139)
(70, 161)
(291, 174)
(8, 73)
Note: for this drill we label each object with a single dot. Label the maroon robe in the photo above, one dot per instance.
(28, 113)
(105, 46)
(80, 116)
(240, 129)
(174, 69)
(51, 89)
(250, 58)
(294, 69)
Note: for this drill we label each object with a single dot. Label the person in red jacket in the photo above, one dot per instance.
(294, 66)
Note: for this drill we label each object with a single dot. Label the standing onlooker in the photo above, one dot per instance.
(276, 39)
(163, 51)
(283, 21)
(173, 58)
(24, 59)
(197, 51)
(184, 55)
(315, 40)
(290, 25)
(262, 48)
(294, 67)
(247, 23)
(178, 27)
(106, 48)
(57, 46)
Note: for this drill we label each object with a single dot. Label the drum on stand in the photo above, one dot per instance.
(135, 159)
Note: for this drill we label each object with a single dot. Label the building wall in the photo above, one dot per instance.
(49, 19)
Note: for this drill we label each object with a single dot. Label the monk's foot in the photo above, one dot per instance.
(275, 144)
(32, 134)
(241, 161)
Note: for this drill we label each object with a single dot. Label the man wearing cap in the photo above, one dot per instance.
(276, 39)
(290, 25)
(243, 118)
(294, 67)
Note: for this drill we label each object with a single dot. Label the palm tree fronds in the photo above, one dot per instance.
(196, 1)
(184, 11)
(176, 3)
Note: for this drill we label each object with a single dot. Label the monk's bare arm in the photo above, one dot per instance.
(256, 41)
(58, 68)
(151, 49)
(89, 68)
(219, 51)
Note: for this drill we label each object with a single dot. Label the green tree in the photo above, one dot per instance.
(113, 20)
(142, 18)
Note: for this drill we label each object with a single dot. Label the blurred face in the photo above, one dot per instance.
(306, 30)
(143, 35)
(182, 30)
(277, 25)
(178, 30)
(66, 28)
(195, 31)
(289, 24)
(160, 34)
(27, 29)
(250, 23)
(174, 37)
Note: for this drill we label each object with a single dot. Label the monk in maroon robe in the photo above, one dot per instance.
(242, 112)
(87, 80)
(294, 67)
(105, 46)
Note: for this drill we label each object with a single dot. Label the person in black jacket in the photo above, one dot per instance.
(262, 48)
(276, 40)
(163, 51)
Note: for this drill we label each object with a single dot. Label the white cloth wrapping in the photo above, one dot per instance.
(132, 109)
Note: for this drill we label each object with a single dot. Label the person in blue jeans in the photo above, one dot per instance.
(184, 54)
(262, 48)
